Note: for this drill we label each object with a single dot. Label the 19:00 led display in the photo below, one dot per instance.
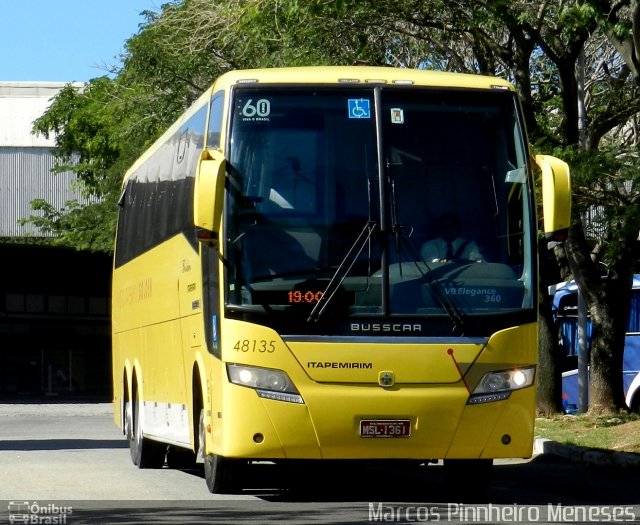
(299, 296)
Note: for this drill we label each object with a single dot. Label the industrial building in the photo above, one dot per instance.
(54, 302)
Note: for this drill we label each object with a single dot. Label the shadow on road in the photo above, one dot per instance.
(61, 444)
(541, 481)
(545, 490)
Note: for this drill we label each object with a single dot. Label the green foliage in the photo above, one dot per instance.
(100, 131)
(85, 134)
(178, 52)
(87, 227)
(606, 186)
(576, 16)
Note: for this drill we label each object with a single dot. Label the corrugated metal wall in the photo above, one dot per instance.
(25, 175)
(26, 159)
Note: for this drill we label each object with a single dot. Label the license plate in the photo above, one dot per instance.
(385, 428)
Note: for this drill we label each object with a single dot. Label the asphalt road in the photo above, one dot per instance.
(68, 463)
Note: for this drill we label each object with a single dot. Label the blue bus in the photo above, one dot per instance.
(565, 310)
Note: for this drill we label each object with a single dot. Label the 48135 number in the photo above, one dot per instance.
(255, 345)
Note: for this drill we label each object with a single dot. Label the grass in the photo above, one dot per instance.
(620, 433)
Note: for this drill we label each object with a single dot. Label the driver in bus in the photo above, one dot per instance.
(449, 246)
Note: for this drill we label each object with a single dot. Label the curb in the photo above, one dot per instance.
(602, 458)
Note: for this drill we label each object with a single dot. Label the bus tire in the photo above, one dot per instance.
(218, 470)
(218, 474)
(145, 453)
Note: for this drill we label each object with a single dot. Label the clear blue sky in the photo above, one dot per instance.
(65, 40)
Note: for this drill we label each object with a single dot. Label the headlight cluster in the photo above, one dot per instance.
(269, 383)
(496, 386)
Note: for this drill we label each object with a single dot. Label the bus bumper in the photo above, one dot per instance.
(328, 424)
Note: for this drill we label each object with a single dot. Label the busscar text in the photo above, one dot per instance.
(385, 327)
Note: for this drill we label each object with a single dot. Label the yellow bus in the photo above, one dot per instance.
(277, 290)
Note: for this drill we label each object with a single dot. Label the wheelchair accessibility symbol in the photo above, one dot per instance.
(359, 108)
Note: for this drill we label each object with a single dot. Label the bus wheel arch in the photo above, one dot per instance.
(197, 404)
(220, 473)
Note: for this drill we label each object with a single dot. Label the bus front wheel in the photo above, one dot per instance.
(218, 473)
(218, 470)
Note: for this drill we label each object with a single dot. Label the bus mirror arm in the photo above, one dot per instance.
(208, 195)
(207, 237)
(556, 196)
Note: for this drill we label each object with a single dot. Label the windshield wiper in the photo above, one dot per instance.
(343, 270)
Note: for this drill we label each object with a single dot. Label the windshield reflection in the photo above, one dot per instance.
(316, 225)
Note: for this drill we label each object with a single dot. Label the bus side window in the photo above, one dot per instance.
(215, 121)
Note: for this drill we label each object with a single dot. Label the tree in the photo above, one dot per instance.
(552, 37)
(101, 129)
(604, 174)
(85, 145)
(605, 181)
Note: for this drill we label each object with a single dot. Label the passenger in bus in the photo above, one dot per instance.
(449, 246)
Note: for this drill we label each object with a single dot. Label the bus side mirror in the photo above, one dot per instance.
(556, 196)
(208, 194)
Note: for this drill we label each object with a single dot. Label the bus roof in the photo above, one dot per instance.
(330, 75)
(360, 74)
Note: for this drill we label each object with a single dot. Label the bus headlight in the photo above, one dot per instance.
(269, 383)
(496, 386)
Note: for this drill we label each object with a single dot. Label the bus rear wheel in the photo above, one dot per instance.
(145, 453)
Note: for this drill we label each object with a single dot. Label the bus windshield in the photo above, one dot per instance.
(377, 201)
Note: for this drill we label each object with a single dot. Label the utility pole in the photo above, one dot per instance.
(583, 355)
(583, 351)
